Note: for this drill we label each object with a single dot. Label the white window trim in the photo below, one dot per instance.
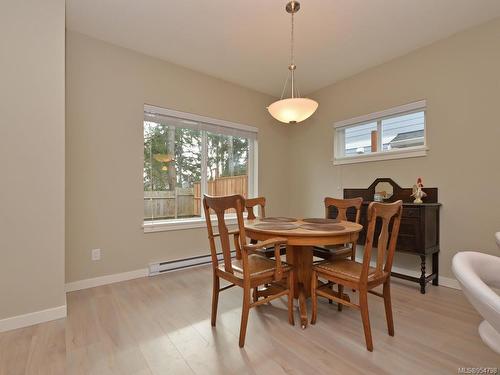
(253, 180)
(182, 224)
(410, 152)
(199, 118)
(402, 109)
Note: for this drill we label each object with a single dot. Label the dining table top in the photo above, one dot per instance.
(301, 227)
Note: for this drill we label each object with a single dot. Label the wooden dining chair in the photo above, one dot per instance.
(341, 206)
(361, 276)
(248, 269)
(254, 203)
(260, 203)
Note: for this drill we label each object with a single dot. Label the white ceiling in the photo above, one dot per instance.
(247, 42)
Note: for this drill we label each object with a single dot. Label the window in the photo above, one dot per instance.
(394, 133)
(187, 156)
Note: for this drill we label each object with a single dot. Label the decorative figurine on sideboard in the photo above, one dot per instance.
(418, 193)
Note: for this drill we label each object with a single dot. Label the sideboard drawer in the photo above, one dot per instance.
(411, 212)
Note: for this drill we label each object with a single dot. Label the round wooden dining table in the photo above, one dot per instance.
(302, 235)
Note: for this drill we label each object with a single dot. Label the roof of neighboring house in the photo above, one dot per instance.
(408, 135)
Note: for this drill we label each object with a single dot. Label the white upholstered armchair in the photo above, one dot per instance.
(477, 273)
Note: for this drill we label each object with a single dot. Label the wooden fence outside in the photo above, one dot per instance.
(221, 186)
(183, 203)
(168, 204)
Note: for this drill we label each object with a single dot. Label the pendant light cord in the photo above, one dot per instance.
(291, 41)
(292, 57)
(292, 8)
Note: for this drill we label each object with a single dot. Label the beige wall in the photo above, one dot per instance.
(107, 87)
(460, 78)
(31, 156)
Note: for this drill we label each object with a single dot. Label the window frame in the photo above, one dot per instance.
(199, 222)
(415, 151)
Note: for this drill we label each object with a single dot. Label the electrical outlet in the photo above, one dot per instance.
(96, 254)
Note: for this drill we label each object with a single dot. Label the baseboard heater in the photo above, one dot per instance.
(162, 267)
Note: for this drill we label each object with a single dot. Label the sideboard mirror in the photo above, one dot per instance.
(384, 189)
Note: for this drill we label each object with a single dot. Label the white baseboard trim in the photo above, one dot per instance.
(107, 279)
(157, 269)
(33, 318)
(449, 282)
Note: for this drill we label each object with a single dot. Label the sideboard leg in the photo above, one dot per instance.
(435, 267)
(422, 276)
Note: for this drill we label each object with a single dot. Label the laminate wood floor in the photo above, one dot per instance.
(161, 325)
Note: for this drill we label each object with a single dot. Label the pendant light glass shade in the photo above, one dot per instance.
(292, 110)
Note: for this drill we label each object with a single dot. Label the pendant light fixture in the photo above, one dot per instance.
(294, 109)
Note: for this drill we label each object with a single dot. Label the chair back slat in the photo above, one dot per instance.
(211, 238)
(253, 203)
(219, 205)
(342, 205)
(250, 205)
(382, 244)
(393, 240)
(388, 213)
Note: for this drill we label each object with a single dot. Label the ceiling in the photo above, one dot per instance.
(247, 42)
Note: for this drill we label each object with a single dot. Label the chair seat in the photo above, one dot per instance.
(258, 265)
(347, 269)
(332, 251)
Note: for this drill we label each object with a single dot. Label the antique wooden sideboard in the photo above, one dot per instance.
(419, 230)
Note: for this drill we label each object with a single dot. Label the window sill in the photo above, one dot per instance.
(182, 224)
(413, 152)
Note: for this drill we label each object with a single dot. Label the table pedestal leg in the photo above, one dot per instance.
(301, 257)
